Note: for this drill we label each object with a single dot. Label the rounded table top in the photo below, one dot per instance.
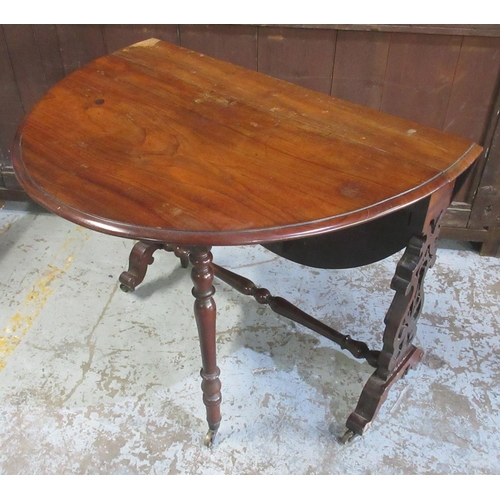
(158, 142)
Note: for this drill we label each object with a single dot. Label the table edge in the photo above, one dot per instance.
(239, 237)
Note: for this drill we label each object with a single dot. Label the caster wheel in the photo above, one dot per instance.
(126, 289)
(210, 438)
(348, 437)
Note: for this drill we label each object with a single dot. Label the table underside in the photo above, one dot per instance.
(415, 227)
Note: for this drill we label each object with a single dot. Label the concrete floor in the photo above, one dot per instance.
(96, 381)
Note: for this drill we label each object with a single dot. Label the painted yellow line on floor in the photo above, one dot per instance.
(34, 302)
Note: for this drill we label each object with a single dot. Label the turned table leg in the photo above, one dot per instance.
(398, 354)
(205, 314)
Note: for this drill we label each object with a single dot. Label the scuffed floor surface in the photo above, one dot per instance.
(97, 381)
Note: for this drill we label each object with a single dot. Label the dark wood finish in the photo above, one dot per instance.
(180, 252)
(358, 245)
(205, 314)
(375, 393)
(140, 258)
(213, 129)
(398, 352)
(164, 144)
(419, 257)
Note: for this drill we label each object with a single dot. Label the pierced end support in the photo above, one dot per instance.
(376, 390)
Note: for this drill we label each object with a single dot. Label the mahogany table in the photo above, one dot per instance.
(182, 152)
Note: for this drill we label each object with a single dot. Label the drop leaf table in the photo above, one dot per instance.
(183, 152)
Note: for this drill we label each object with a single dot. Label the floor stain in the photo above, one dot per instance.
(36, 298)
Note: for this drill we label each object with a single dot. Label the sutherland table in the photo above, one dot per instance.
(182, 152)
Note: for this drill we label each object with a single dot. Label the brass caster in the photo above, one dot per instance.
(210, 438)
(348, 437)
(125, 288)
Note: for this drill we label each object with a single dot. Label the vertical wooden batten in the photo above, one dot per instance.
(234, 44)
(419, 77)
(360, 67)
(11, 105)
(80, 44)
(303, 57)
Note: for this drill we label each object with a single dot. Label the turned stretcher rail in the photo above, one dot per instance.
(284, 308)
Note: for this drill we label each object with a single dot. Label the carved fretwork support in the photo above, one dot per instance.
(398, 354)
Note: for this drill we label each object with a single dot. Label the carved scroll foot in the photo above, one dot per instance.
(205, 313)
(140, 258)
(375, 393)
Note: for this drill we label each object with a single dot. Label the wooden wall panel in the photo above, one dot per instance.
(11, 107)
(473, 90)
(486, 209)
(234, 44)
(80, 44)
(303, 57)
(117, 36)
(419, 77)
(26, 63)
(472, 97)
(48, 48)
(360, 65)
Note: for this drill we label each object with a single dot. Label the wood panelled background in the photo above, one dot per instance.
(442, 76)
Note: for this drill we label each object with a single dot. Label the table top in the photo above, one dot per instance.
(159, 142)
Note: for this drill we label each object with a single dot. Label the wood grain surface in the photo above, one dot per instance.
(159, 142)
